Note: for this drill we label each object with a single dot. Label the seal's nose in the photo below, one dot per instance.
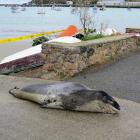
(110, 100)
(116, 105)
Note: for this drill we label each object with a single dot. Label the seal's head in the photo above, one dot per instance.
(109, 102)
(91, 101)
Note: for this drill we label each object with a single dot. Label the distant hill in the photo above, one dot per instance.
(57, 1)
(48, 1)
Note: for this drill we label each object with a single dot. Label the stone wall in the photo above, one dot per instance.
(66, 60)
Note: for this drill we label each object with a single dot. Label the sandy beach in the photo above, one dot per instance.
(11, 48)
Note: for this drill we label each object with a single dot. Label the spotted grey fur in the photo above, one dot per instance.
(68, 96)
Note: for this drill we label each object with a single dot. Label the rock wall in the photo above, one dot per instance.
(66, 60)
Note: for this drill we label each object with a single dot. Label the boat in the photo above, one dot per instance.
(103, 8)
(23, 8)
(56, 8)
(41, 11)
(53, 6)
(37, 49)
(31, 57)
(21, 64)
(74, 10)
(15, 9)
(22, 54)
(95, 8)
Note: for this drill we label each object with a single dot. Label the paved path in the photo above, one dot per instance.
(121, 79)
(23, 120)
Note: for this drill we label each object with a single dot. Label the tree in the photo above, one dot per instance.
(84, 14)
(86, 18)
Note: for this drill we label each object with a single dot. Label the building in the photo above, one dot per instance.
(7, 2)
(110, 2)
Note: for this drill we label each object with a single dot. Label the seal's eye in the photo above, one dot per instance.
(54, 100)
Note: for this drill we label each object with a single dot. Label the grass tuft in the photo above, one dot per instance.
(92, 37)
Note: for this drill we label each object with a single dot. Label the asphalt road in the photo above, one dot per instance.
(121, 79)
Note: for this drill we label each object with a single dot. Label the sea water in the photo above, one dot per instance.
(28, 21)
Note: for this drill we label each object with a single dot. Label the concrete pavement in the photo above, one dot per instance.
(23, 120)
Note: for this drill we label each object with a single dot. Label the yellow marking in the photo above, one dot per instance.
(8, 40)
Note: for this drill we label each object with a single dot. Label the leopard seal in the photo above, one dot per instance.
(68, 96)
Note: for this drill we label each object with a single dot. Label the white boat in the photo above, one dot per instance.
(22, 54)
(95, 8)
(56, 8)
(103, 8)
(41, 11)
(66, 39)
(23, 8)
(53, 6)
(15, 9)
(37, 49)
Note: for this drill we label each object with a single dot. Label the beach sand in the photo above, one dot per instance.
(11, 48)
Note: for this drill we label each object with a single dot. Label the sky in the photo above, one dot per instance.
(14, 1)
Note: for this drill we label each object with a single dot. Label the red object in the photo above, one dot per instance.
(70, 31)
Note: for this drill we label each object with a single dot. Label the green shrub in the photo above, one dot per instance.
(92, 37)
(39, 40)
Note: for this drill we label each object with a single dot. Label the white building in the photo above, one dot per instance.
(14, 1)
(110, 2)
